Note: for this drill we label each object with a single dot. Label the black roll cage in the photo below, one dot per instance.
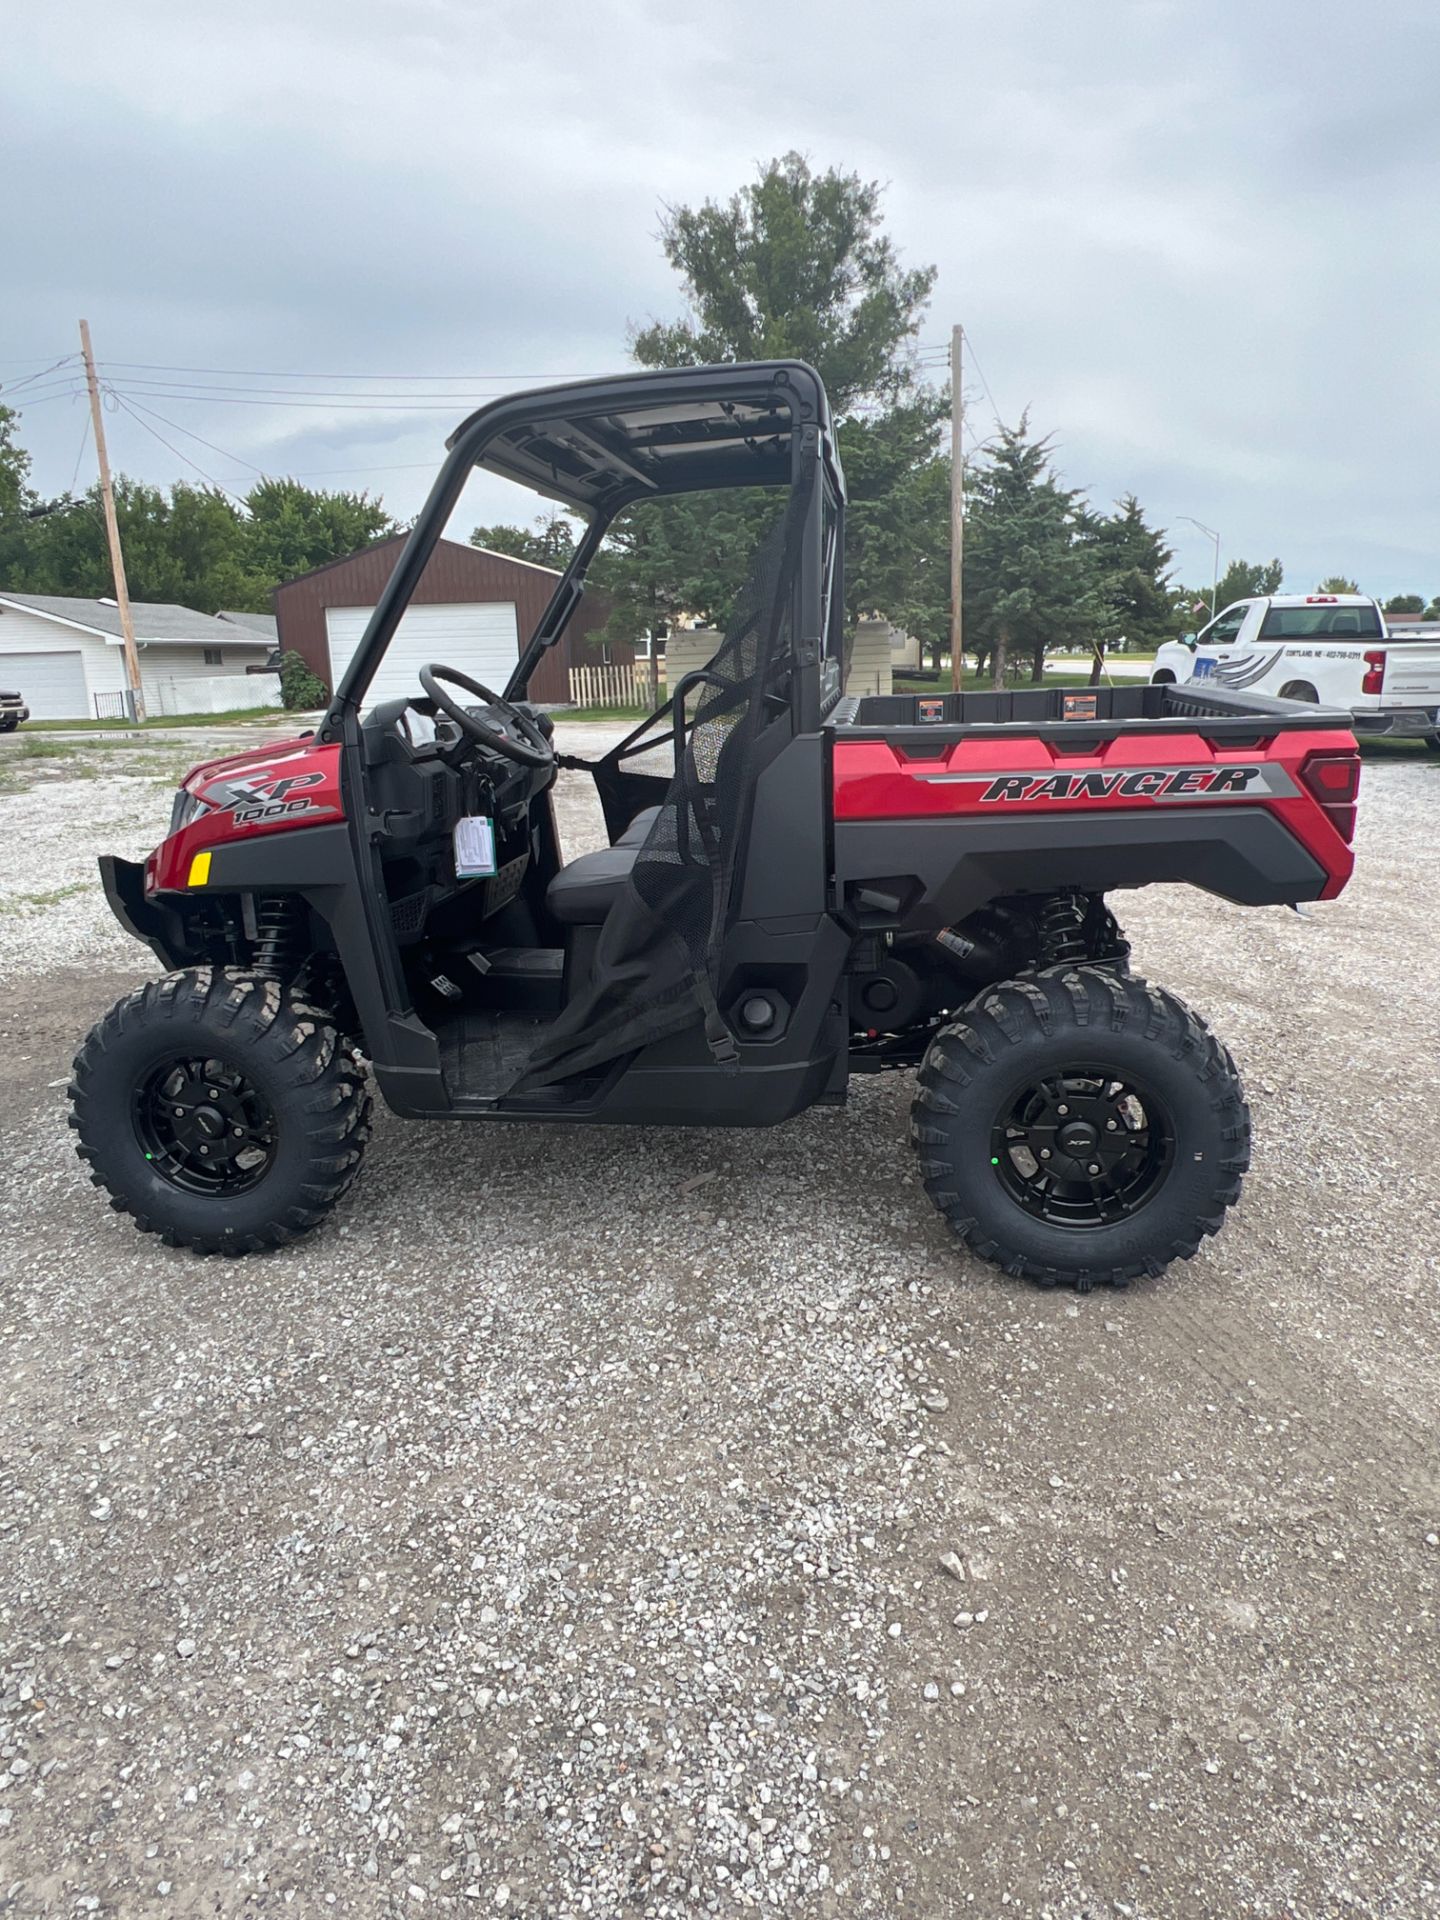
(596, 447)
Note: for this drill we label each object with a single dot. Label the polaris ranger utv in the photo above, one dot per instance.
(815, 886)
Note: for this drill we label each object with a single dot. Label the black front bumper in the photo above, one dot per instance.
(156, 927)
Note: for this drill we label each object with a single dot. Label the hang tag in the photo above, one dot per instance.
(474, 846)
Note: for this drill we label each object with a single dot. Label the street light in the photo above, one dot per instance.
(1210, 534)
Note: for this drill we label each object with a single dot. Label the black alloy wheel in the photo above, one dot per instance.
(1081, 1148)
(1080, 1128)
(220, 1110)
(203, 1127)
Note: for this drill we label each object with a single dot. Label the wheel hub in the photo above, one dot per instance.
(1082, 1148)
(204, 1127)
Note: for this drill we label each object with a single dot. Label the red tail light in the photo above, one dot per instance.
(1334, 780)
(1374, 681)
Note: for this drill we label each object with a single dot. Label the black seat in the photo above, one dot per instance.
(583, 892)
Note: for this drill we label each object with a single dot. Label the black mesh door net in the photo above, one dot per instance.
(657, 960)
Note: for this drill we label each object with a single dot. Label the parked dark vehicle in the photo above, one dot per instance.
(822, 886)
(12, 711)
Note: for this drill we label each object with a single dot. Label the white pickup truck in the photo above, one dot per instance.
(1330, 647)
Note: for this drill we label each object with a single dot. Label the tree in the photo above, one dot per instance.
(1405, 603)
(1130, 561)
(1030, 582)
(293, 528)
(1432, 612)
(798, 265)
(1242, 580)
(550, 544)
(1337, 583)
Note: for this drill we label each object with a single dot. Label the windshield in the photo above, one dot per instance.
(1308, 623)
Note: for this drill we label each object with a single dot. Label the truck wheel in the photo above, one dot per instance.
(1164, 678)
(1079, 1128)
(1299, 690)
(1432, 741)
(219, 1110)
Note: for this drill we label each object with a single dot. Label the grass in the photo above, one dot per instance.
(236, 716)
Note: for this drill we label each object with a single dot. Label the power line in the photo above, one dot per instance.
(239, 460)
(80, 455)
(974, 361)
(62, 393)
(176, 388)
(275, 373)
(176, 451)
(385, 405)
(16, 386)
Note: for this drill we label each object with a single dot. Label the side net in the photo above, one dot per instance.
(657, 960)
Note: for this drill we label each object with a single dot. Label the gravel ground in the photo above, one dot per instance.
(610, 1522)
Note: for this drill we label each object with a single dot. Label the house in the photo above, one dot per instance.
(261, 623)
(66, 657)
(472, 610)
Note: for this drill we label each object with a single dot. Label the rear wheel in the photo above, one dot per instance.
(1164, 678)
(1299, 690)
(219, 1110)
(1079, 1128)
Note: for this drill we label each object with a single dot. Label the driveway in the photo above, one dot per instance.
(638, 1522)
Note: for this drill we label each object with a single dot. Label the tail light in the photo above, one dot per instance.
(1334, 780)
(1374, 681)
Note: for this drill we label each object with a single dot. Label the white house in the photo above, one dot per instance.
(66, 659)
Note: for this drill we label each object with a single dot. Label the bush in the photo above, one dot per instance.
(299, 687)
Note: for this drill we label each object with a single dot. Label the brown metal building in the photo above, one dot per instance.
(473, 609)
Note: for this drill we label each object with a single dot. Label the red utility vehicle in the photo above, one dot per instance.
(818, 885)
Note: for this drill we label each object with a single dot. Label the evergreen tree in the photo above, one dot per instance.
(1030, 583)
(1130, 561)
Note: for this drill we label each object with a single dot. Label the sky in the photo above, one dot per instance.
(1199, 244)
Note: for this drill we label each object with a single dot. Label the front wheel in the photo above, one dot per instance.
(219, 1110)
(1079, 1128)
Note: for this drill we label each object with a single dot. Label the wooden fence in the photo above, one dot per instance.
(627, 686)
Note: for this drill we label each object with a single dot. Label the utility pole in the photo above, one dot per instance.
(957, 507)
(112, 529)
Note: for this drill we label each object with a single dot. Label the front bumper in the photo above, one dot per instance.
(145, 920)
(1400, 723)
(12, 716)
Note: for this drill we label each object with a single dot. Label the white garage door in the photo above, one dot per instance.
(52, 685)
(480, 638)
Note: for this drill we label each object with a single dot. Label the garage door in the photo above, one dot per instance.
(52, 685)
(480, 638)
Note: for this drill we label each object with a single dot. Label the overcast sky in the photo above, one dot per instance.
(1200, 243)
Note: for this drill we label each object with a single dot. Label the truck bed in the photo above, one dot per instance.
(1047, 788)
(1079, 715)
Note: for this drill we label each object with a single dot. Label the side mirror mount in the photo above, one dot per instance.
(1189, 640)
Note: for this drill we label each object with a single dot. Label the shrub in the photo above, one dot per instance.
(299, 687)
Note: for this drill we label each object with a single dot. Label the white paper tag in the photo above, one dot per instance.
(474, 846)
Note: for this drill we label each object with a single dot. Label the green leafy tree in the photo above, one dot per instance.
(796, 265)
(1405, 603)
(292, 528)
(1242, 580)
(1432, 612)
(1030, 580)
(1337, 583)
(17, 499)
(550, 543)
(1130, 561)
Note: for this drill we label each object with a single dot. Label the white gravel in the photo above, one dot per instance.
(619, 1522)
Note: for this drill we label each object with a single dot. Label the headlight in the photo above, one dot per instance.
(187, 806)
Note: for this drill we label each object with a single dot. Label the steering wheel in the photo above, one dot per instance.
(532, 750)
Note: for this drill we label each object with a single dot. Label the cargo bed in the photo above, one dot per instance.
(1081, 715)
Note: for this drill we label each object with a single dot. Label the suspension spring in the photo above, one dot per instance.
(278, 935)
(1061, 928)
